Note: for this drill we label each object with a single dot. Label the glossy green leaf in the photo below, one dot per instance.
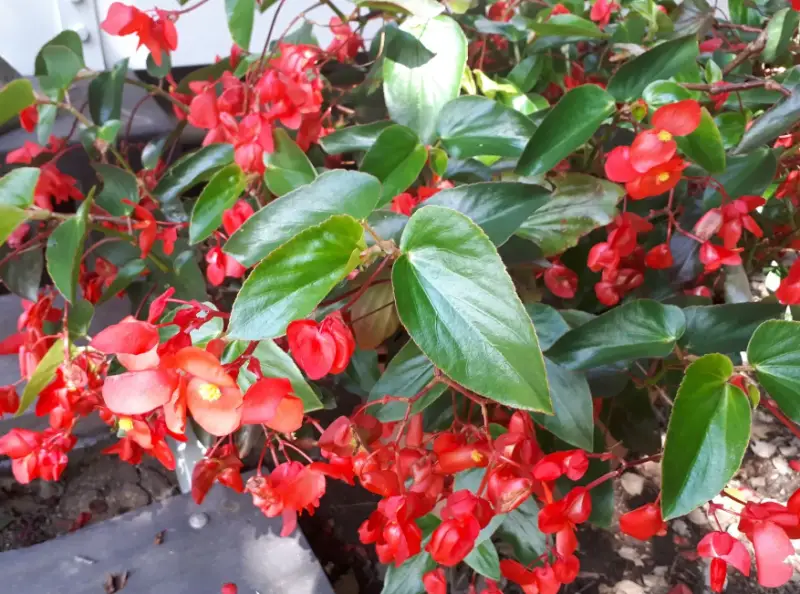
(275, 362)
(396, 159)
(745, 174)
(47, 114)
(731, 125)
(22, 274)
(62, 65)
(573, 121)
(14, 97)
(635, 330)
(572, 420)
(105, 94)
(288, 167)
(704, 145)
(426, 9)
(353, 138)
(630, 418)
(526, 73)
(159, 70)
(11, 217)
(240, 21)
(707, 436)
(520, 529)
(387, 224)
(663, 92)
(497, 207)
(402, 47)
(43, 374)
(483, 559)
(407, 579)
(471, 126)
(79, 318)
(724, 328)
(771, 124)
(580, 204)
(152, 151)
(289, 283)
(549, 324)
(438, 160)
(220, 194)
(334, 192)
(774, 352)
(68, 39)
(17, 187)
(65, 251)
(567, 25)
(658, 63)
(780, 29)
(185, 173)
(118, 185)
(374, 318)
(125, 276)
(407, 374)
(416, 96)
(460, 307)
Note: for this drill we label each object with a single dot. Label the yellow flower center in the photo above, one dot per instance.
(477, 456)
(664, 136)
(662, 178)
(210, 392)
(125, 424)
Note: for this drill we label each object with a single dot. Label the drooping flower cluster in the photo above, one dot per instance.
(157, 33)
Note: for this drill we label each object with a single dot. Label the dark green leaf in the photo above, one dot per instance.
(425, 9)
(402, 47)
(416, 96)
(693, 16)
(105, 94)
(745, 174)
(724, 328)
(67, 38)
(288, 168)
(240, 21)
(774, 353)
(471, 126)
(275, 362)
(47, 115)
(333, 192)
(438, 159)
(159, 70)
(396, 159)
(387, 224)
(635, 330)
(572, 420)
(661, 62)
(573, 121)
(771, 124)
(151, 153)
(22, 274)
(17, 186)
(14, 97)
(567, 25)
(484, 560)
(731, 127)
(125, 276)
(460, 307)
(707, 436)
(663, 92)
(630, 419)
(497, 207)
(526, 74)
(11, 217)
(520, 529)
(65, 251)
(580, 204)
(353, 138)
(220, 194)
(704, 145)
(289, 283)
(780, 29)
(43, 375)
(547, 321)
(79, 317)
(407, 579)
(118, 185)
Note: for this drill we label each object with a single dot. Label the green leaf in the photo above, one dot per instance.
(704, 145)
(407, 374)
(460, 307)
(43, 375)
(289, 283)
(65, 249)
(396, 159)
(745, 174)
(14, 97)
(219, 195)
(731, 125)
(631, 420)
(471, 126)
(152, 151)
(484, 560)
(664, 92)
(288, 167)
(549, 324)
(79, 318)
(118, 185)
(661, 62)
(387, 224)
(275, 362)
(635, 330)
(416, 96)
(438, 161)
(374, 316)
(497, 207)
(774, 353)
(402, 47)
(520, 529)
(240, 21)
(68, 39)
(17, 187)
(780, 29)
(573, 121)
(47, 115)
(185, 173)
(105, 94)
(125, 276)
(426, 9)
(567, 25)
(407, 579)
(580, 204)
(334, 192)
(22, 274)
(771, 124)
(707, 436)
(572, 420)
(526, 74)
(353, 138)
(156, 70)
(724, 328)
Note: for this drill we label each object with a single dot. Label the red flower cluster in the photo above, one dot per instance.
(320, 349)
(346, 43)
(157, 34)
(52, 184)
(406, 202)
(224, 468)
(561, 281)
(37, 455)
(463, 517)
(601, 12)
(649, 166)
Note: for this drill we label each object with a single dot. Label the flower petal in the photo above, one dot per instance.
(679, 119)
(772, 547)
(138, 392)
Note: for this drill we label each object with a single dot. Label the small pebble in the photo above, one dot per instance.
(681, 528)
(758, 482)
(697, 517)
(788, 450)
(198, 520)
(763, 449)
(781, 465)
(631, 554)
(632, 483)
(628, 587)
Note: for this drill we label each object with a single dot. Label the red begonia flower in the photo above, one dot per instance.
(643, 523)
(788, 292)
(453, 540)
(346, 43)
(561, 281)
(403, 204)
(678, 119)
(710, 45)
(618, 166)
(659, 257)
(500, 11)
(506, 490)
(463, 504)
(157, 34)
(139, 392)
(229, 588)
(271, 401)
(658, 180)
(566, 569)
(320, 349)
(9, 400)
(714, 256)
(559, 9)
(435, 582)
(723, 550)
(572, 463)
(772, 547)
(28, 118)
(234, 217)
(708, 225)
(338, 438)
(601, 12)
(221, 266)
(224, 467)
(132, 341)
(602, 255)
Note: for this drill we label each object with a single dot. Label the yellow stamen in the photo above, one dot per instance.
(662, 177)
(664, 136)
(125, 424)
(476, 456)
(210, 392)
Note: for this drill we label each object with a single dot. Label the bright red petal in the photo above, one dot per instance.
(130, 336)
(650, 150)
(772, 547)
(313, 350)
(204, 365)
(618, 165)
(121, 19)
(138, 392)
(218, 417)
(272, 401)
(679, 119)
